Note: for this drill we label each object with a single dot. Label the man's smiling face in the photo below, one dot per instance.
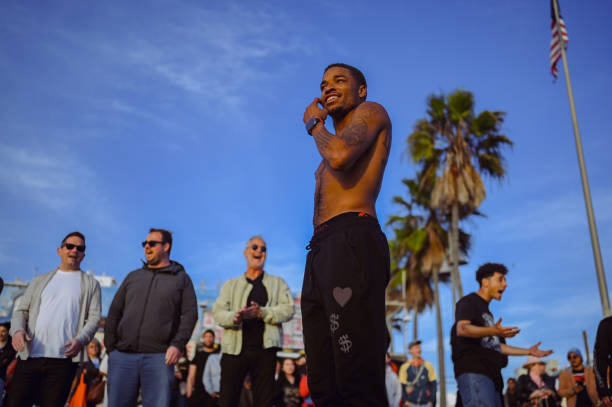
(339, 90)
(255, 253)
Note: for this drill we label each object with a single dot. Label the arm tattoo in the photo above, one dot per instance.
(322, 137)
(355, 133)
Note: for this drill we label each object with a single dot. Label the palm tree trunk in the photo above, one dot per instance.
(455, 277)
(441, 371)
(415, 325)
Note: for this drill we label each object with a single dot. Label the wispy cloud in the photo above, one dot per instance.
(53, 179)
(218, 53)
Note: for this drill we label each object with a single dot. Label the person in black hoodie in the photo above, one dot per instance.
(603, 360)
(150, 319)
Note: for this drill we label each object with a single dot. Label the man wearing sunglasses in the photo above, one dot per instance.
(577, 382)
(347, 268)
(149, 321)
(51, 325)
(251, 309)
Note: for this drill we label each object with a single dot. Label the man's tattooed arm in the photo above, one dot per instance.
(343, 149)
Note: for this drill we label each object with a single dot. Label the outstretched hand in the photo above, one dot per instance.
(537, 352)
(505, 331)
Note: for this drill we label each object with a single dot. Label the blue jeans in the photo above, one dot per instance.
(478, 390)
(126, 371)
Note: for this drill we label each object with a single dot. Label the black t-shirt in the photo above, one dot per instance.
(289, 392)
(199, 360)
(253, 329)
(582, 398)
(477, 355)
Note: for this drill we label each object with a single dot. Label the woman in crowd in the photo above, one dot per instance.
(7, 355)
(289, 386)
(90, 368)
(536, 388)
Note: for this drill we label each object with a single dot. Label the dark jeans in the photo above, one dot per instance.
(126, 371)
(45, 381)
(260, 364)
(478, 390)
(343, 312)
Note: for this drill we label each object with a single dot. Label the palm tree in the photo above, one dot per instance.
(408, 285)
(449, 145)
(419, 249)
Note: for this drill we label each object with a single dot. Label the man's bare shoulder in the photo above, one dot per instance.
(372, 110)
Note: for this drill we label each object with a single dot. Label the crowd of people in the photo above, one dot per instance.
(54, 360)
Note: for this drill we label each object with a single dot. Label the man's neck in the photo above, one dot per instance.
(484, 295)
(416, 361)
(3, 343)
(252, 274)
(161, 264)
(579, 368)
(68, 269)
(341, 119)
(209, 348)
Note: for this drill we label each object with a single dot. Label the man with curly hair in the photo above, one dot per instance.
(479, 349)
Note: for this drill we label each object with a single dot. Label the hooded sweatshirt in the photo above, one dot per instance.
(152, 310)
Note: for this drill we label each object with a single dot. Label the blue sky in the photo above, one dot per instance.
(119, 116)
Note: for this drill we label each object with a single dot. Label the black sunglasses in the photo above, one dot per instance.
(255, 247)
(570, 357)
(151, 243)
(70, 246)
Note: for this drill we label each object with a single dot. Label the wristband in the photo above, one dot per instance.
(310, 125)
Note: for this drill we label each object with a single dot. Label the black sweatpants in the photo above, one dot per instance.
(260, 364)
(343, 312)
(43, 380)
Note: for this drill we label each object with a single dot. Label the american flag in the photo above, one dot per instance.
(555, 48)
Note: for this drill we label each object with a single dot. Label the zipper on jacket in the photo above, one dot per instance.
(145, 309)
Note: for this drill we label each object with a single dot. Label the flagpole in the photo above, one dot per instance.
(601, 277)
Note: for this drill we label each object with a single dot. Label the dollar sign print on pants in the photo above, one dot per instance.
(334, 322)
(345, 343)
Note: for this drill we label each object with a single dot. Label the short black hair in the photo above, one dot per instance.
(488, 269)
(166, 236)
(209, 331)
(75, 233)
(357, 74)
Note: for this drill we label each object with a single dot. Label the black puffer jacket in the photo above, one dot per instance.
(153, 309)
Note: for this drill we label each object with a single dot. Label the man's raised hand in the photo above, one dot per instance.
(314, 110)
(505, 331)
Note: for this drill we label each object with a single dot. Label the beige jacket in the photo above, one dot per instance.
(27, 307)
(234, 294)
(567, 383)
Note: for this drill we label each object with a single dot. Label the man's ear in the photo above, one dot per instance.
(363, 92)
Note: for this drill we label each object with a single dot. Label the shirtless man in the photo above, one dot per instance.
(347, 268)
